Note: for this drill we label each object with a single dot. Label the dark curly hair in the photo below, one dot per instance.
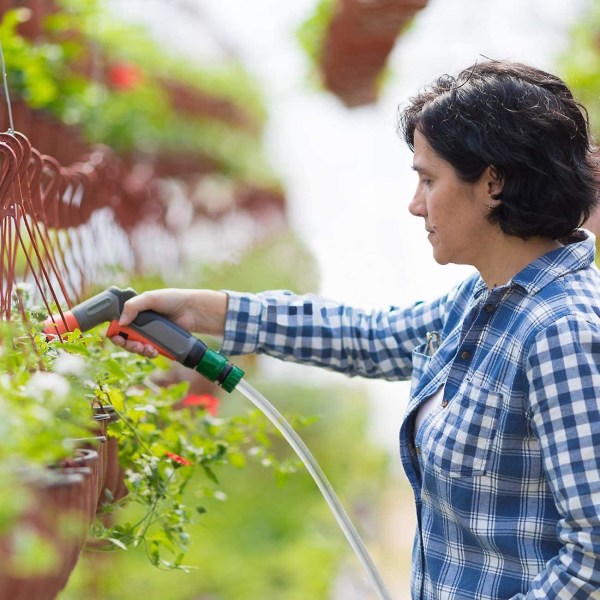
(526, 125)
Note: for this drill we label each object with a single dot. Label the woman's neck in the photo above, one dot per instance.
(509, 254)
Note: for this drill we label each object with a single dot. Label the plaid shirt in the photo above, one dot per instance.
(506, 475)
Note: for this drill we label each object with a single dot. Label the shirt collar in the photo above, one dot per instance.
(577, 253)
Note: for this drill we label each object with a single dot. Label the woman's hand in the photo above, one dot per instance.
(200, 311)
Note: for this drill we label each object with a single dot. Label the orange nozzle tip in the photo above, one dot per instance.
(57, 325)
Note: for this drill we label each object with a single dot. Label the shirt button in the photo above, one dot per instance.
(464, 354)
(444, 403)
(489, 308)
(417, 450)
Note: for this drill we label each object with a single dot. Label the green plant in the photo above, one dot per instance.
(580, 63)
(38, 422)
(311, 33)
(35, 72)
(272, 537)
(44, 412)
(162, 444)
(47, 390)
(124, 101)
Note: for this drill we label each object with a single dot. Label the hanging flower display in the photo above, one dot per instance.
(124, 76)
(179, 460)
(206, 401)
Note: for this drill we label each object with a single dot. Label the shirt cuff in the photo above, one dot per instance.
(242, 323)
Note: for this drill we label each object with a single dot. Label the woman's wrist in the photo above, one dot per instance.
(211, 312)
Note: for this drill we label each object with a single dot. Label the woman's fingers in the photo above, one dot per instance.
(136, 347)
(139, 303)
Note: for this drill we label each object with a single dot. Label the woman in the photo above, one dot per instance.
(501, 438)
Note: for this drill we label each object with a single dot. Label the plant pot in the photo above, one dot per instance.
(114, 483)
(57, 515)
(95, 444)
(113, 488)
(86, 462)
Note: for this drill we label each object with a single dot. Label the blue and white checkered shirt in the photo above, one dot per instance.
(506, 475)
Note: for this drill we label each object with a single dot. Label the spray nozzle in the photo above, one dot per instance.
(149, 327)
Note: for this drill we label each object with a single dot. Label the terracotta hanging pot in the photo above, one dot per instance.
(86, 462)
(57, 515)
(100, 420)
(98, 444)
(114, 483)
(114, 487)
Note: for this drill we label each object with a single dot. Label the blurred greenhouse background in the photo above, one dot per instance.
(252, 146)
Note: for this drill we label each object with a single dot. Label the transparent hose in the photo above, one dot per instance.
(313, 468)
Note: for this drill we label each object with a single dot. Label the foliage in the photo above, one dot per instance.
(108, 78)
(295, 551)
(160, 448)
(42, 413)
(125, 43)
(311, 34)
(46, 392)
(32, 400)
(34, 72)
(272, 537)
(581, 63)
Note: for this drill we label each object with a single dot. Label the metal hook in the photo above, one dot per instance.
(6, 93)
(433, 342)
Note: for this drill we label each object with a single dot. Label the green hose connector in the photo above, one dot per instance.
(217, 368)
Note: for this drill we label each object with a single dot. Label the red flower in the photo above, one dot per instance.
(206, 401)
(123, 76)
(184, 462)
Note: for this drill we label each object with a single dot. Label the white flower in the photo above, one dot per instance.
(44, 383)
(70, 364)
(148, 408)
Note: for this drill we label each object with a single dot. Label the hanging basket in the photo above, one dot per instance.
(113, 486)
(58, 516)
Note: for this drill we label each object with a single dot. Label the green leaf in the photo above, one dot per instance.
(117, 543)
(210, 474)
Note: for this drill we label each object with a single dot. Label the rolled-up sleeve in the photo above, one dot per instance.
(316, 331)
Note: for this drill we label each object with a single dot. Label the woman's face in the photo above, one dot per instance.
(454, 211)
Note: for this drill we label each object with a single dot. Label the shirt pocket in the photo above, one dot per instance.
(459, 441)
(420, 362)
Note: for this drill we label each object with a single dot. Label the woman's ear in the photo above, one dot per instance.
(495, 183)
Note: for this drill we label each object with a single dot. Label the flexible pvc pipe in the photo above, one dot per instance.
(295, 441)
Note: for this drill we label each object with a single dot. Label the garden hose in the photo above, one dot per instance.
(174, 342)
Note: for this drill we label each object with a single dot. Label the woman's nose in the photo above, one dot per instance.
(416, 206)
